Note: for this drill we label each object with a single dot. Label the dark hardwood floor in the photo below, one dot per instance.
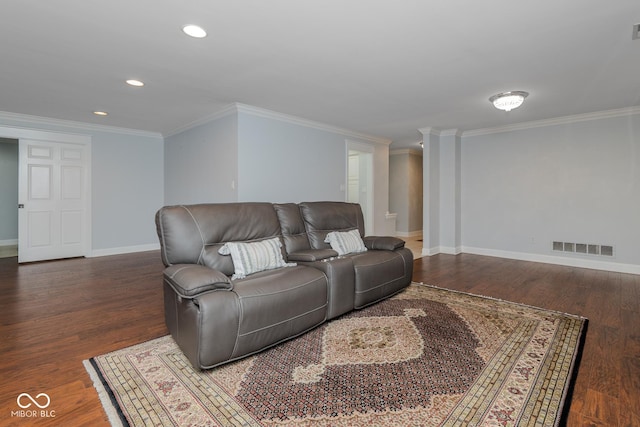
(56, 314)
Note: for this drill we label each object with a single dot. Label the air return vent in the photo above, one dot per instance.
(635, 35)
(583, 248)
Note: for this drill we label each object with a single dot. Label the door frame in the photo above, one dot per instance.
(58, 137)
(369, 151)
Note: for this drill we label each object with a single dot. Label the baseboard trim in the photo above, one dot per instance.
(411, 234)
(124, 250)
(441, 250)
(549, 259)
(9, 242)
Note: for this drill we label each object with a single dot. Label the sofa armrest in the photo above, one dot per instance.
(310, 255)
(385, 243)
(191, 280)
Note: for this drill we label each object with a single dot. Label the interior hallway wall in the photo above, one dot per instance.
(8, 191)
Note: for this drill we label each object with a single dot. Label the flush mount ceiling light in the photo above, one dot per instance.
(100, 113)
(194, 31)
(134, 82)
(507, 101)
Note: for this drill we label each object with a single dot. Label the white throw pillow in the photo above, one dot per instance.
(345, 242)
(252, 257)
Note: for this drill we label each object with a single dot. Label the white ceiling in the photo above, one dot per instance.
(383, 68)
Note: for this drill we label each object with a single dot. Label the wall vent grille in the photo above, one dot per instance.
(583, 248)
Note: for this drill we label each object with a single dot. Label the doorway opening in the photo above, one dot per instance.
(8, 198)
(50, 194)
(360, 180)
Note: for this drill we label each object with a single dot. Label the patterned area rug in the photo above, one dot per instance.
(426, 357)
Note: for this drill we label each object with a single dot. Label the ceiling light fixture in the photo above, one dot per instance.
(507, 101)
(134, 82)
(194, 31)
(100, 113)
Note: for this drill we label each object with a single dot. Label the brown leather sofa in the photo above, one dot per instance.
(216, 314)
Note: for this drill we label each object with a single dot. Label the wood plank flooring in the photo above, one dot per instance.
(54, 315)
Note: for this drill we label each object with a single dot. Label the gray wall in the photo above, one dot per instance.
(576, 182)
(286, 162)
(201, 164)
(284, 159)
(250, 154)
(127, 189)
(8, 190)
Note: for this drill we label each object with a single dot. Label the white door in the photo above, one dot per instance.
(53, 200)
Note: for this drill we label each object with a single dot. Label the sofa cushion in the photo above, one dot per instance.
(345, 242)
(321, 218)
(252, 257)
(293, 229)
(378, 274)
(278, 304)
(190, 233)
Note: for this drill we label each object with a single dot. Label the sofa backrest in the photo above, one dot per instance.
(192, 234)
(294, 232)
(322, 217)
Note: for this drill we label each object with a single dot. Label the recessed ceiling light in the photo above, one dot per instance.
(133, 82)
(100, 113)
(194, 31)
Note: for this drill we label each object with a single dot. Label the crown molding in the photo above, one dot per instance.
(620, 112)
(273, 115)
(451, 132)
(410, 151)
(89, 127)
(238, 107)
(430, 131)
(226, 111)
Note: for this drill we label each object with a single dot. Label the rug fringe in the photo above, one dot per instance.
(112, 413)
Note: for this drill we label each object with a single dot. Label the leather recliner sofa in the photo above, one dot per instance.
(217, 314)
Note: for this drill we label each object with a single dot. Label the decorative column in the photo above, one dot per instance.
(431, 191)
(441, 161)
(450, 188)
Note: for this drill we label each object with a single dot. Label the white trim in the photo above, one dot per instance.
(260, 112)
(226, 111)
(47, 121)
(410, 234)
(621, 112)
(549, 259)
(430, 251)
(124, 250)
(451, 250)
(410, 151)
(9, 242)
(451, 132)
(43, 135)
(429, 131)
(442, 250)
(273, 115)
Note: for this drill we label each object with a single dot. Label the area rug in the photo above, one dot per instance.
(426, 357)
